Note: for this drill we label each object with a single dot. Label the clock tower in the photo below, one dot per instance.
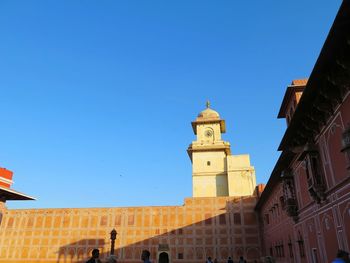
(213, 166)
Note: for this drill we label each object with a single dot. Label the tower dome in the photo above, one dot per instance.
(208, 114)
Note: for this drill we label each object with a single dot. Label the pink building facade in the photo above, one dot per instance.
(304, 210)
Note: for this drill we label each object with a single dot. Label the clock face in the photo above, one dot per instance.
(208, 133)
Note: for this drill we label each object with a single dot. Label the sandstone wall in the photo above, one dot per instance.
(214, 226)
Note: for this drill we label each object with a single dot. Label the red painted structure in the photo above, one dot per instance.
(6, 192)
(5, 177)
(305, 207)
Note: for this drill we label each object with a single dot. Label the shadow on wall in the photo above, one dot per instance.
(233, 233)
(78, 251)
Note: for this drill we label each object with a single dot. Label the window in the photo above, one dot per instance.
(314, 255)
(316, 168)
(267, 219)
(288, 199)
(290, 248)
(207, 221)
(314, 174)
(237, 218)
(277, 209)
(208, 163)
(180, 256)
(282, 202)
(279, 250)
(346, 145)
(301, 245)
(222, 219)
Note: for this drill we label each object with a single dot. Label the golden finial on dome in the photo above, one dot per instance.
(207, 104)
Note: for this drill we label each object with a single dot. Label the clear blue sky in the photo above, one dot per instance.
(97, 96)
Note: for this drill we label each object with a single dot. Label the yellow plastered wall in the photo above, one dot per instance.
(214, 127)
(241, 175)
(216, 165)
(210, 186)
(230, 175)
(209, 177)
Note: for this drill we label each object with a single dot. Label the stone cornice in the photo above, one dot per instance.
(208, 148)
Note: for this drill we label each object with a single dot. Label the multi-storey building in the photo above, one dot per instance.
(305, 207)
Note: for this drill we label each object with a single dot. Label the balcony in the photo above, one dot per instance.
(291, 208)
(316, 190)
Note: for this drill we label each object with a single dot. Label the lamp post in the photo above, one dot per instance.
(113, 238)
